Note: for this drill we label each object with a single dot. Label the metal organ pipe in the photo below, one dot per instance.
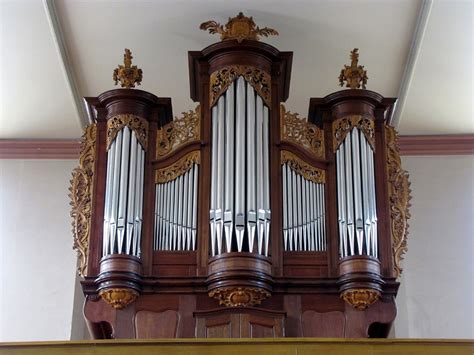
(124, 195)
(356, 196)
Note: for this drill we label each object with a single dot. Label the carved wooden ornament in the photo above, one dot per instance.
(135, 123)
(178, 168)
(354, 75)
(127, 74)
(302, 168)
(239, 296)
(360, 298)
(344, 125)
(118, 298)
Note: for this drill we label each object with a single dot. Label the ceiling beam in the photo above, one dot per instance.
(64, 59)
(413, 54)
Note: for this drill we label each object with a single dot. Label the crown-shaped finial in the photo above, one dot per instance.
(127, 74)
(354, 74)
(240, 27)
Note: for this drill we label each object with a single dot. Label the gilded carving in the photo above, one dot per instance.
(302, 168)
(135, 123)
(360, 298)
(239, 28)
(178, 132)
(239, 296)
(344, 125)
(354, 75)
(178, 168)
(118, 298)
(298, 130)
(221, 80)
(128, 74)
(81, 190)
(399, 195)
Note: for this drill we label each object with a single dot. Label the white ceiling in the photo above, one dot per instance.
(36, 100)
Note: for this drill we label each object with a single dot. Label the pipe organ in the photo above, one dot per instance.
(239, 218)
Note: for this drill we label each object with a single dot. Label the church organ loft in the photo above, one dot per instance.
(239, 218)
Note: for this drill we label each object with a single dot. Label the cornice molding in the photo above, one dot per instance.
(462, 144)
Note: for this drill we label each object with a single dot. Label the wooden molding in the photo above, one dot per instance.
(462, 144)
(40, 149)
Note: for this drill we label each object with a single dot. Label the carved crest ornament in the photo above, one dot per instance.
(128, 75)
(354, 75)
(239, 28)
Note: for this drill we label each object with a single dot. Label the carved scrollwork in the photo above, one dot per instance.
(118, 298)
(221, 80)
(344, 125)
(239, 296)
(135, 123)
(399, 195)
(178, 132)
(360, 298)
(81, 190)
(298, 130)
(178, 168)
(304, 169)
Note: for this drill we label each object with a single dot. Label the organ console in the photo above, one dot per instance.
(239, 218)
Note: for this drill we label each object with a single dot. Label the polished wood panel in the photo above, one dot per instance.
(153, 325)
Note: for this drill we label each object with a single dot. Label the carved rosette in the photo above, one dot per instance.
(399, 196)
(302, 168)
(135, 123)
(344, 125)
(298, 130)
(178, 168)
(239, 296)
(118, 298)
(178, 132)
(360, 298)
(81, 190)
(221, 80)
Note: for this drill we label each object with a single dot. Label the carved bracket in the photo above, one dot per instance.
(81, 197)
(221, 80)
(360, 298)
(118, 298)
(302, 168)
(298, 130)
(399, 195)
(178, 168)
(239, 296)
(178, 132)
(344, 125)
(135, 123)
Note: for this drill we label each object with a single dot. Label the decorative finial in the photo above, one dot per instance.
(127, 74)
(240, 27)
(355, 74)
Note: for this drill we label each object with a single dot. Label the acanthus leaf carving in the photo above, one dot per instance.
(302, 168)
(399, 197)
(135, 123)
(178, 168)
(344, 125)
(221, 80)
(178, 132)
(81, 190)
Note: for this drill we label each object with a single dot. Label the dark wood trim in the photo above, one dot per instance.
(459, 144)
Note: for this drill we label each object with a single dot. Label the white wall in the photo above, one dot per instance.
(437, 290)
(37, 263)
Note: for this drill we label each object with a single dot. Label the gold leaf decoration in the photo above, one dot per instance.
(81, 190)
(302, 168)
(221, 80)
(127, 74)
(239, 296)
(135, 123)
(178, 168)
(298, 130)
(344, 125)
(178, 132)
(360, 298)
(399, 195)
(118, 298)
(354, 75)
(239, 28)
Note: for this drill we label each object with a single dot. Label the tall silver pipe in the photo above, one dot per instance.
(340, 216)
(115, 192)
(124, 171)
(189, 221)
(108, 198)
(289, 188)
(295, 209)
(131, 191)
(166, 231)
(359, 217)
(251, 198)
(195, 197)
(323, 217)
(266, 177)
(305, 214)
(311, 213)
(259, 176)
(229, 166)
(212, 212)
(172, 210)
(180, 243)
(240, 164)
(285, 208)
(300, 211)
(365, 194)
(184, 221)
(156, 243)
(349, 193)
(220, 171)
(139, 207)
(372, 204)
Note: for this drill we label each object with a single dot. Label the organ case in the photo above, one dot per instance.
(239, 219)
